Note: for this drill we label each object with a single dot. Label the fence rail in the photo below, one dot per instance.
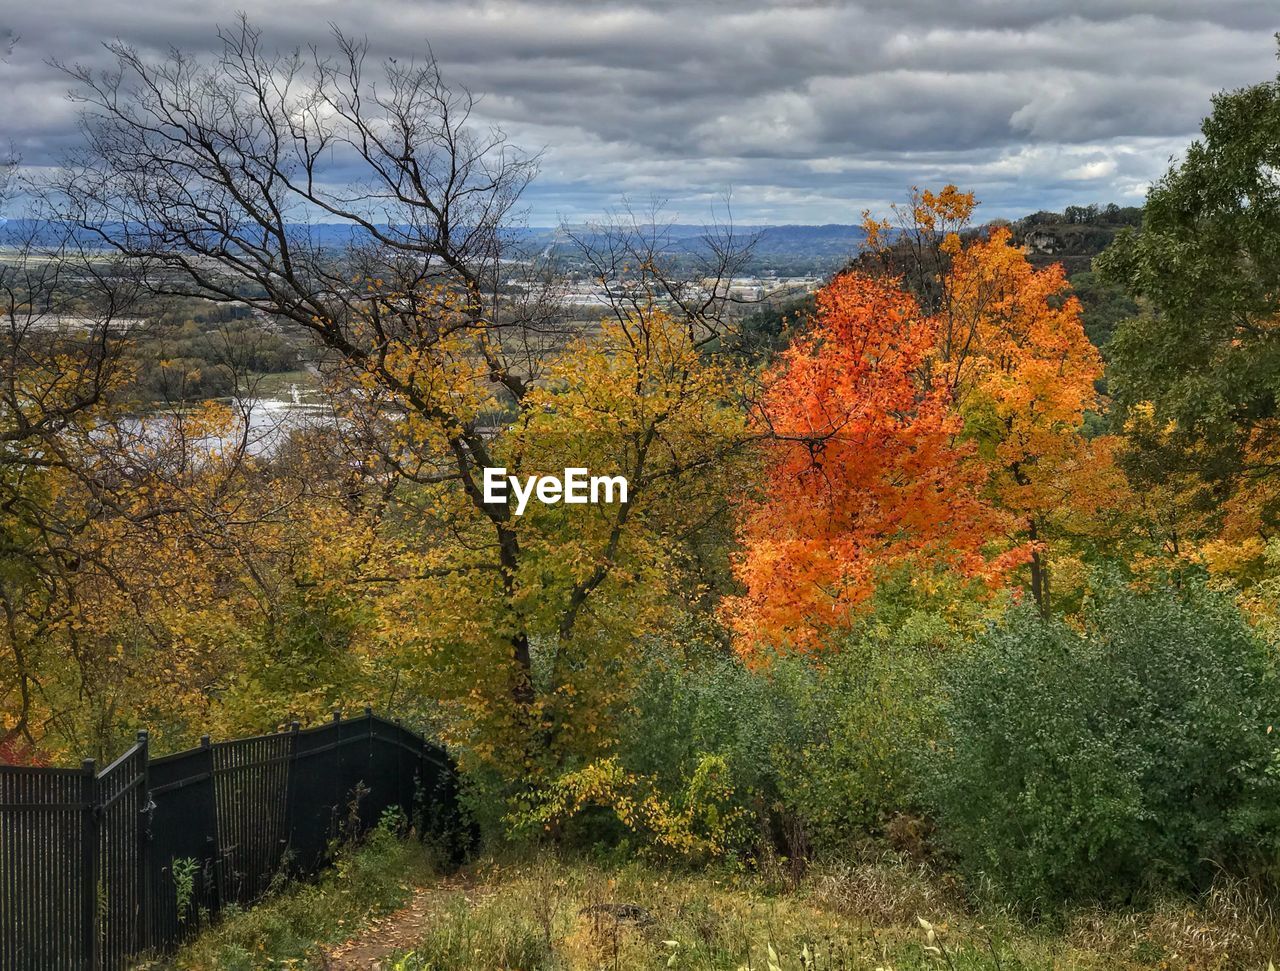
(97, 869)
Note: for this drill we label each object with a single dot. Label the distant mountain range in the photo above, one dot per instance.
(787, 249)
(789, 246)
(787, 235)
(1072, 238)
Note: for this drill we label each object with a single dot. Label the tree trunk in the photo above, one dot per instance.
(509, 560)
(1039, 577)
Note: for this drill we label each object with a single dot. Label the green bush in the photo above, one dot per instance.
(868, 713)
(687, 707)
(873, 705)
(1097, 763)
(821, 752)
(691, 705)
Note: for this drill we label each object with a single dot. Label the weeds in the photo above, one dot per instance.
(557, 914)
(292, 928)
(550, 913)
(184, 883)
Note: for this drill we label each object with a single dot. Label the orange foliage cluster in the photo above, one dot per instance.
(949, 441)
(868, 470)
(15, 751)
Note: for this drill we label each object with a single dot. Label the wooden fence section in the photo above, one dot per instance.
(99, 869)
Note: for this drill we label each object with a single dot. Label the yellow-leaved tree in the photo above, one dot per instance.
(1022, 373)
(453, 348)
(634, 399)
(1023, 376)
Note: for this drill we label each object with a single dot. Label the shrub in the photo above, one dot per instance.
(685, 708)
(813, 755)
(821, 752)
(699, 825)
(1096, 763)
(693, 711)
(869, 712)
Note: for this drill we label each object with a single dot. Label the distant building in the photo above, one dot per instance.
(67, 324)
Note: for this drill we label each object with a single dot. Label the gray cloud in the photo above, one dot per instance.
(807, 111)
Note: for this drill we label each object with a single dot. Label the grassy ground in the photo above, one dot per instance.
(294, 928)
(575, 915)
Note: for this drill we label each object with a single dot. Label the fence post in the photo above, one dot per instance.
(212, 842)
(407, 811)
(428, 794)
(290, 790)
(89, 864)
(143, 932)
(339, 800)
(374, 797)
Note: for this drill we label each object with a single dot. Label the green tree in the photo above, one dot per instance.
(1104, 305)
(1206, 265)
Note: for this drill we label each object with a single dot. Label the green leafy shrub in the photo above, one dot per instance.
(687, 707)
(813, 756)
(1100, 762)
(870, 710)
(820, 752)
(690, 711)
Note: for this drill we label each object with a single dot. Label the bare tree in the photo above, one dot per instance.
(289, 183)
(365, 205)
(637, 261)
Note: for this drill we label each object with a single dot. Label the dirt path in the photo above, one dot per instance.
(398, 931)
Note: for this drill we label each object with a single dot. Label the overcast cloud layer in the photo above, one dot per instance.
(807, 112)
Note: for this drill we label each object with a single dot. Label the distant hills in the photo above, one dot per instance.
(1075, 236)
(788, 248)
(1072, 237)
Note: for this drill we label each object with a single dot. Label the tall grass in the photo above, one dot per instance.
(292, 928)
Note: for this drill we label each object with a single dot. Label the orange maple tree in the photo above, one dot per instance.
(865, 470)
(1022, 373)
(952, 439)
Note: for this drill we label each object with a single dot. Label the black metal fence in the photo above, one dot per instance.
(99, 868)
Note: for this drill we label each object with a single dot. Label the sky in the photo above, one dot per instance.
(797, 112)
